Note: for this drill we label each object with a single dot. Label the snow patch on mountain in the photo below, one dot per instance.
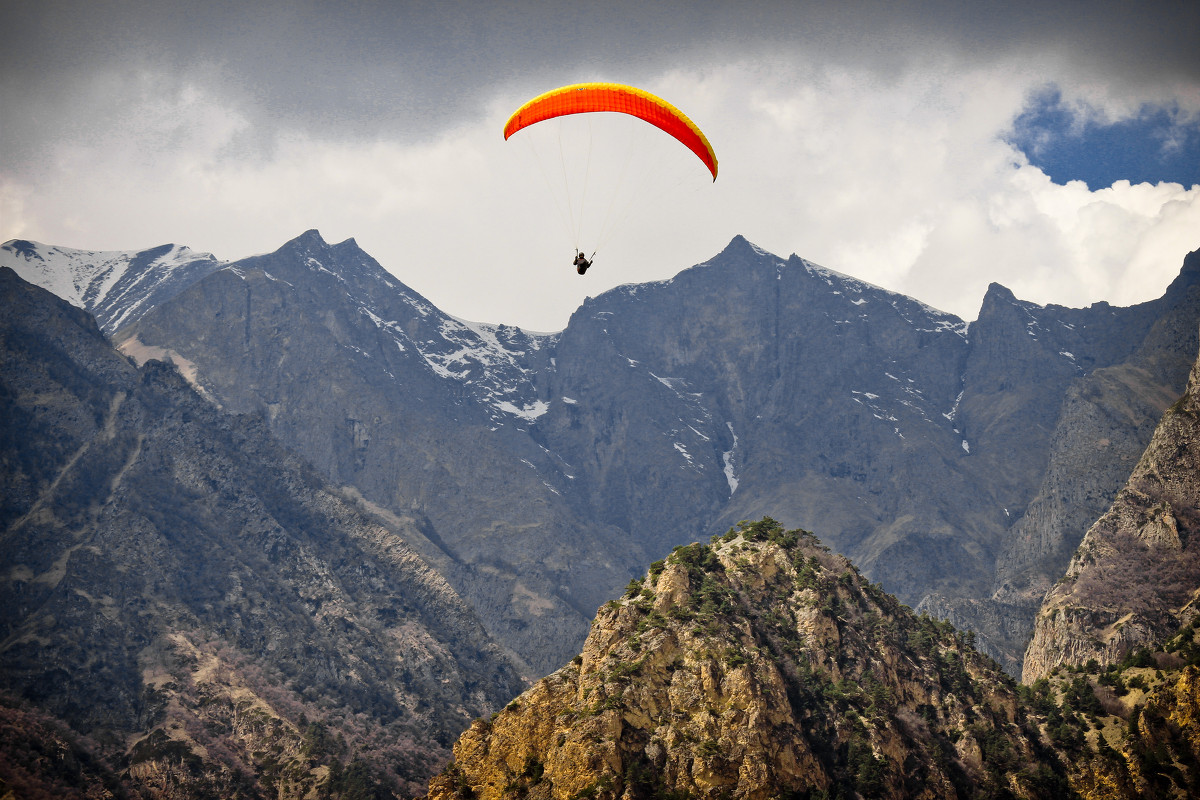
(727, 459)
(115, 286)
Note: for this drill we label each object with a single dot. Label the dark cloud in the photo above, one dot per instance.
(404, 69)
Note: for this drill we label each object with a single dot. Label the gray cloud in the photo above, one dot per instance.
(405, 69)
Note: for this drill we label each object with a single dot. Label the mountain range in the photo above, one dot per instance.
(959, 465)
(521, 479)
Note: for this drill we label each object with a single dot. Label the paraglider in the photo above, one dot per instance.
(581, 262)
(587, 98)
(583, 98)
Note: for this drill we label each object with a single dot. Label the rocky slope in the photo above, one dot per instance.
(760, 666)
(1136, 576)
(197, 601)
(1128, 730)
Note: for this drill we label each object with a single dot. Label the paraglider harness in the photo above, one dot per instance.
(582, 263)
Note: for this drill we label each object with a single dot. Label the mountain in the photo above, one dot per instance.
(1135, 578)
(914, 444)
(958, 465)
(192, 607)
(760, 666)
(117, 287)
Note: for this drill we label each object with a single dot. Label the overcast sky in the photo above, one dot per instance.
(929, 148)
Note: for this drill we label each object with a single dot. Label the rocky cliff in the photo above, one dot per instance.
(760, 666)
(1105, 418)
(196, 601)
(1136, 576)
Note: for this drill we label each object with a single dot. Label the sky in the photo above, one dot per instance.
(930, 148)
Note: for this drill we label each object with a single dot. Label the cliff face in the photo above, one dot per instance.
(1136, 576)
(197, 600)
(1105, 424)
(759, 666)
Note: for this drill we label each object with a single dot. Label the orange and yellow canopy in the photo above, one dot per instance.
(582, 98)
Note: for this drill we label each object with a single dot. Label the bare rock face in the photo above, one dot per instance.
(1135, 577)
(759, 666)
(1127, 366)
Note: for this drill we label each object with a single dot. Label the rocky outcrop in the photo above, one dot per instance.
(1136, 576)
(764, 666)
(197, 600)
(760, 666)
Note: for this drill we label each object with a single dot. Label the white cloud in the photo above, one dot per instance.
(900, 179)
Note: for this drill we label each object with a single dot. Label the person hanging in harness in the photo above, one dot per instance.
(581, 262)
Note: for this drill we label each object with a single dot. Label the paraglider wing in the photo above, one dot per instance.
(582, 98)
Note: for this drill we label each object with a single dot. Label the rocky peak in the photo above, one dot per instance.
(757, 666)
(1188, 277)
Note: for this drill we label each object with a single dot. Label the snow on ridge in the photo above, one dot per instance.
(943, 320)
(67, 272)
(481, 359)
(758, 250)
(87, 278)
(538, 337)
